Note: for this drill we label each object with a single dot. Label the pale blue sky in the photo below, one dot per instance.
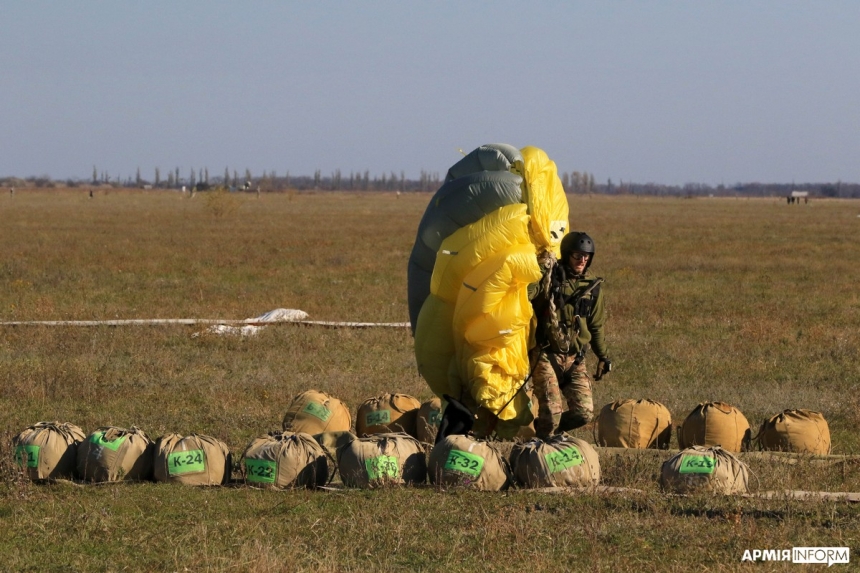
(665, 92)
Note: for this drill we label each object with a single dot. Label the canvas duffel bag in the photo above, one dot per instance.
(715, 424)
(192, 460)
(285, 460)
(700, 468)
(459, 460)
(48, 450)
(802, 431)
(388, 413)
(382, 459)
(115, 454)
(633, 424)
(429, 417)
(561, 461)
(314, 412)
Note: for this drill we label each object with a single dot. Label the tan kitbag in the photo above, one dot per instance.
(48, 450)
(700, 468)
(382, 459)
(468, 462)
(715, 424)
(116, 454)
(314, 412)
(802, 431)
(637, 424)
(285, 460)
(527, 432)
(388, 413)
(192, 460)
(429, 418)
(561, 461)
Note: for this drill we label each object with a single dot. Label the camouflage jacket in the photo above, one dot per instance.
(580, 313)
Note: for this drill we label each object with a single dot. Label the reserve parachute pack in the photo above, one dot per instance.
(474, 256)
(48, 450)
(380, 460)
(561, 461)
(801, 431)
(314, 412)
(715, 424)
(630, 423)
(285, 460)
(388, 413)
(464, 461)
(116, 454)
(700, 468)
(192, 460)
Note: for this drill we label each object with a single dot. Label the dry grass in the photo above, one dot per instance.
(752, 302)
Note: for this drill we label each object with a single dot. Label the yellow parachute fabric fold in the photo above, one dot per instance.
(472, 332)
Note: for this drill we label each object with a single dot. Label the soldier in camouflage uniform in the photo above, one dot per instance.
(570, 312)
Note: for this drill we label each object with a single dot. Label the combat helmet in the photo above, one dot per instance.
(577, 241)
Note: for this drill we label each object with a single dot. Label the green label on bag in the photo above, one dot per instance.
(27, 456)
(435, 417)
(464, 462)
(560, 460)
(697, 464)
(317, 411)
(382, 467)
(377, 418)
(261, 471)
(98, 439)
(192, 461)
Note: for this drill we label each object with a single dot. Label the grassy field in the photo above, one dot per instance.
(752, 302)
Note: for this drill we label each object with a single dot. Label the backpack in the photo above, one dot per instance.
(314, 412)
(459, 460)
(115, 454)
(285, 460)
(381, 460)
(633, 424)
(48, 450)
(192, 460)
(715, 424)
(558, 462)
(700, 468)
(388, 413)
(803, 431)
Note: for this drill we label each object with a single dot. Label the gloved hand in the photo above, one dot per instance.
(604, 366)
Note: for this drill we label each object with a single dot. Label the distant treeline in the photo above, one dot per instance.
(575, 182)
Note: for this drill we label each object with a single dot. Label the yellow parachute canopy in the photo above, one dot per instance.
(472, 331)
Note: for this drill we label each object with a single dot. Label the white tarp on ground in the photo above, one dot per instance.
(255, 325)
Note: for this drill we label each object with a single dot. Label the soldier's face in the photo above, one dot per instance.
(577, 261)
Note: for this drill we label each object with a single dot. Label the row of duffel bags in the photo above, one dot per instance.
(624, 423)
(284, 459)
(648, 424)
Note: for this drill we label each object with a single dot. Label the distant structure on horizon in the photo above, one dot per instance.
(796, 196)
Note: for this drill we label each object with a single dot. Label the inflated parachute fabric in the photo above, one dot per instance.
(285, 460)
(382, 459)
(463, 461)
(388, 413)
(48, 450)
(561, 461)
(715, 424)
(474, 256)
(700, 468)
(192, 460)
(633, 424)
(801, 431)
(116, 454)
(314, 412)
(427, 424)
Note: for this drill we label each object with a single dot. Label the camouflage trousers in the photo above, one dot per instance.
(575, 389)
